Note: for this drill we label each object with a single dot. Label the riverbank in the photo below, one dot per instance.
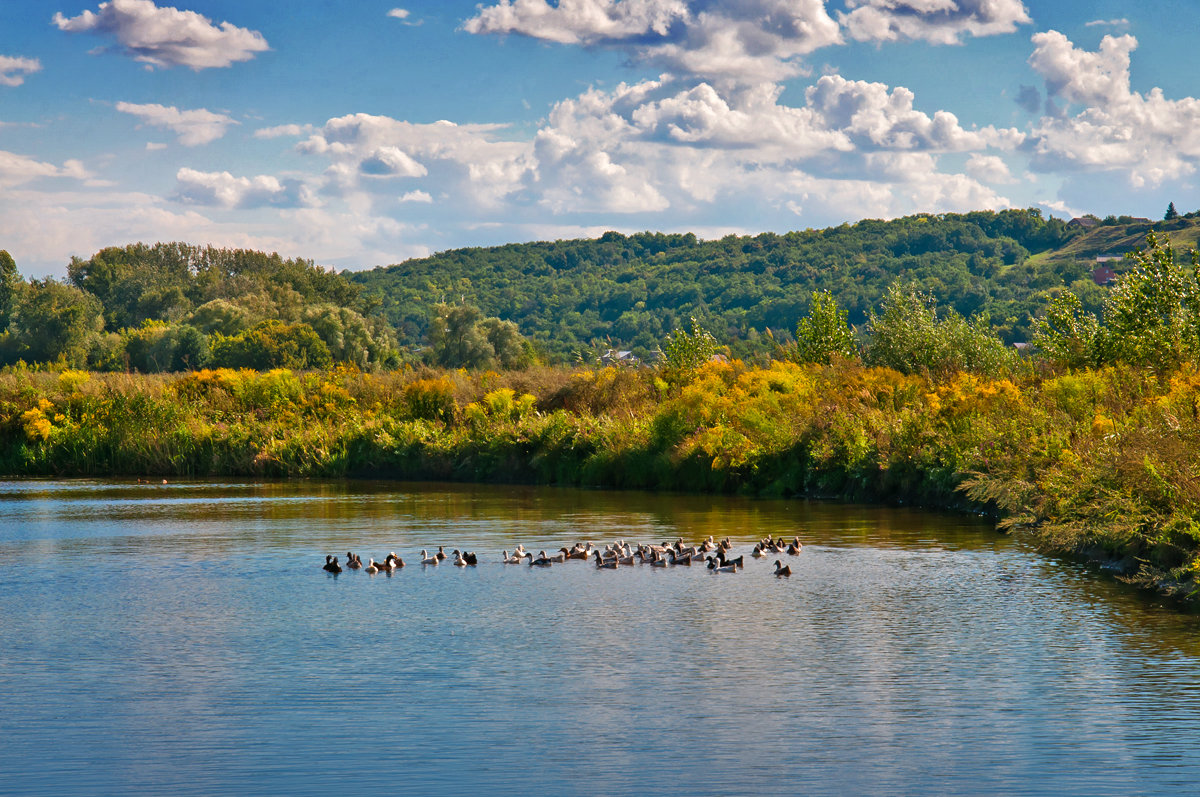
(1099, 463)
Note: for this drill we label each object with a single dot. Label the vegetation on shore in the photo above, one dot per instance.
(1101, 462)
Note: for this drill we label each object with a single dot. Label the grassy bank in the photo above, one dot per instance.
(1102, 463)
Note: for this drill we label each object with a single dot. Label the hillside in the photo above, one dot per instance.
(630, 291)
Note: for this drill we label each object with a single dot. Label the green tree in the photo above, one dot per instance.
(1152, 315)
(55, 322)
(824, 333)
(272, 344)
(10, 285)
(686, 350)
(1171, 213)
(907, 334)
(461, 337)
(1066, 334)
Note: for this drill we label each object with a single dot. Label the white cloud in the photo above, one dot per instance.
(391, 162)
(1108, 23)
(222, 189)
(155, 146)
(934, 21)
(1147, 136)
(20, 169)
(13, 69)
(989, 169)
(875, 118)
(398, 13)
(1099, 79)
(194, 127)
(417, 196)
(734, 40)
(282, 131)
(165, 37)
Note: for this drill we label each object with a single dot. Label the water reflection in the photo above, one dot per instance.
(182, 639)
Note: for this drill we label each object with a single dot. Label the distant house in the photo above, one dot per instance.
(1084, 222)
(615, 357)
(1102, 275)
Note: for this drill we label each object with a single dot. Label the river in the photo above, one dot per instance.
(183, 639)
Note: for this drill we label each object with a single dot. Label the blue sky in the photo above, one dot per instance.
(361, 134)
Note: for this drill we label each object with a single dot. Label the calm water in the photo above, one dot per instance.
(183, 639)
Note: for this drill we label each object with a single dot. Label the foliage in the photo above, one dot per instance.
(1152, 316)
(824, 333)
(907, 334)
(271, 344)
(54, 322)
(1067, 335)
(686, 350)
(460, 337)
(629, 292)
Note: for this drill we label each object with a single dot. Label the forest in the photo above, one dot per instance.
(173, 306)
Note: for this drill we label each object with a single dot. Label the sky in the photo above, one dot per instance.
(366, 133)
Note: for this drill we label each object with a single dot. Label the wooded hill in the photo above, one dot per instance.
(618, 291)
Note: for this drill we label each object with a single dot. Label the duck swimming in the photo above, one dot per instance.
(331, 566)
(426, 559)
(780, 570)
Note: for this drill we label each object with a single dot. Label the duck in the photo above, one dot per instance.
(605, 564)
(781, 570)
(332, 566)
(794, 548)
(395, 561)
(739, 562)
(426, 559)
(515, 559)
(352, 561)
(459, 561)
(758, 551)
(441, 554)
(715, 566)
(541, 561)
(471, 558)
(372, 568)
(686, 561)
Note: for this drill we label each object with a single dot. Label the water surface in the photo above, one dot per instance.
(182, 639)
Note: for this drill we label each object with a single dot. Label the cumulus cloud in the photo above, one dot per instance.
(1099, 79)
(989, 169)
(422, 197)
(194, 127)
(725, 40)
(19, 169)
(1147, 136)
(471, 158)
(391, 162)
(222, 189)
(14, 69)
(167, 36)
(934, 21)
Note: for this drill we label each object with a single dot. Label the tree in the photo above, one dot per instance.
(10, 282)
(1152, 316)
(1066, 334)
(1171, 213)
(55, 322)
(272, 344)
(824, 333)
(686, 350)
(908, 335)
(461, 337)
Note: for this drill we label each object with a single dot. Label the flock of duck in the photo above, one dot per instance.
(610, 557)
